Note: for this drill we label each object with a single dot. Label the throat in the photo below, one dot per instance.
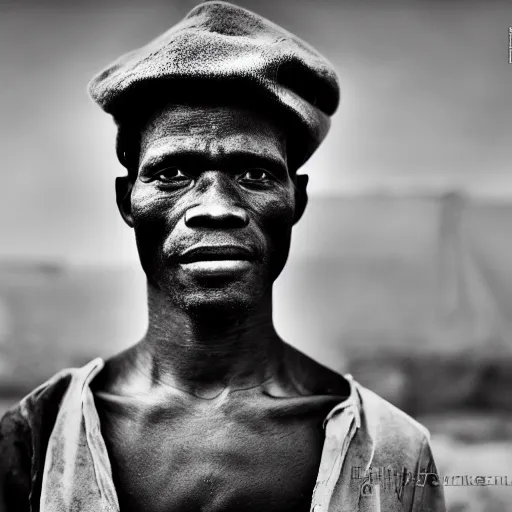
(205, 355)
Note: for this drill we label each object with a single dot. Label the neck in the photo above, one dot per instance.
(206, 354)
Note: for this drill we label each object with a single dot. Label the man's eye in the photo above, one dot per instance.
(171, 174)
(255, 175)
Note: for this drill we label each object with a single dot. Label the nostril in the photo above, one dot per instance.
(216, 216)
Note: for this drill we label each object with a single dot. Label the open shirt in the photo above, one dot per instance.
(53, 457)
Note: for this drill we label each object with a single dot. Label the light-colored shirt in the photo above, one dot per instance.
(53, 457)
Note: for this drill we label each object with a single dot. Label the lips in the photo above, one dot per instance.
(216, 253)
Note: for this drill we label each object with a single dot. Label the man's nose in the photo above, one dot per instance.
(218, 206)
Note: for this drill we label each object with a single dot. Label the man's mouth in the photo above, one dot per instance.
(216, 253)
(217, 259)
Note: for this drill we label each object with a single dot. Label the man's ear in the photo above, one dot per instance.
(301, 195)
(124, 185)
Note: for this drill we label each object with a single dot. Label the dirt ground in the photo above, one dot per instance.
(474, 445)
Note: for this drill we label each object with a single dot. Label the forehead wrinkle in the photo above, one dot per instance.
(213, 123)
(177, 119)
(212, 148)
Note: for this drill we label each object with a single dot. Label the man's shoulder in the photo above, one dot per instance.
(45, 399)
(389, 417)
(396, 437)
(25, 429)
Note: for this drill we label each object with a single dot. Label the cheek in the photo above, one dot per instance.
(145, 203)
(277, 221)
(279, 210)
(152, 221)
(153, 208)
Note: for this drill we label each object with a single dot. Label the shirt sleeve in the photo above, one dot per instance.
(429, 492)
(15, 462)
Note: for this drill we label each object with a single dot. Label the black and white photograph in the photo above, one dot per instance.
(256, 256)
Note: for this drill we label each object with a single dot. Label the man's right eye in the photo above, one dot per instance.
(171, 174)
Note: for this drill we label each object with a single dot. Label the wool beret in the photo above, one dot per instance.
(218, 51)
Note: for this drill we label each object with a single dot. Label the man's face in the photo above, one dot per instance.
(213, 205)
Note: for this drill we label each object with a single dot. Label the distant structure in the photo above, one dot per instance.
(467, 305)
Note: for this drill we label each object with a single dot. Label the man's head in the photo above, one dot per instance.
(212, 203)
(215, 117)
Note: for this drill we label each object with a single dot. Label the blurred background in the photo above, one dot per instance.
(400, 270)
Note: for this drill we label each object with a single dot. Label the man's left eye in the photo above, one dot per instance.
(171, 174)
(255, 175)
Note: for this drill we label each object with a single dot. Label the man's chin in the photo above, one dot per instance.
(222, 287)
(221, 302)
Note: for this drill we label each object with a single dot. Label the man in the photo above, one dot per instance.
(211, 410)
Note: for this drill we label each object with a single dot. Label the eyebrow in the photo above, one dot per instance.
(203, 161)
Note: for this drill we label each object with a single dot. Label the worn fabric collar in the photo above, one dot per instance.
(77, 471)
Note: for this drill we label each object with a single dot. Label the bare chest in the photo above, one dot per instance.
(215, 462)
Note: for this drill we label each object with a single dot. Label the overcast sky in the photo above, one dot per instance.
(426, 103)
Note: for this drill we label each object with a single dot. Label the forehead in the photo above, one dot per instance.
(211, 131)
